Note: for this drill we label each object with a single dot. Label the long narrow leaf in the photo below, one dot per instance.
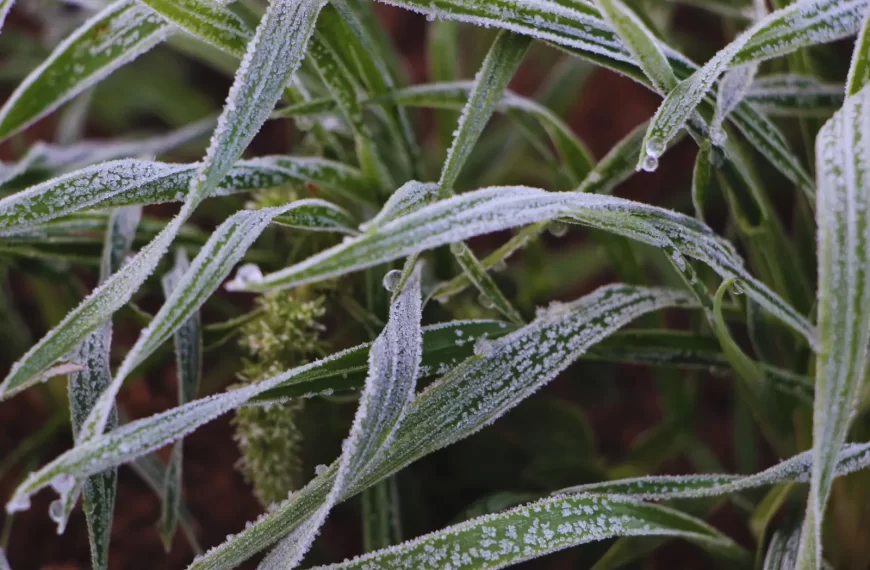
(842, 155)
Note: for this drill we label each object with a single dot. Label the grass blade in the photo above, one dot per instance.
(208, 21)
(859, 70)
(790, 95)
(188, 361)
(112, 38)
(540, 528)
(495, 209)
(806, 22)
(842, 153)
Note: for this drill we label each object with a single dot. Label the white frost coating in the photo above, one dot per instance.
(852, 457)
(273, 55)
(843, 216)
(805, 22)
(394, 362)
(500, 208)
(782, 552)
(409, 197)
(536, 529)
(789, 94)
(132, 182)
(213, 263)
(732, 90)
(5, 6)
(247, 273)
(206, 20)
(107, 41)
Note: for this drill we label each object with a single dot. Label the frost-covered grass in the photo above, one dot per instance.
(371, 215)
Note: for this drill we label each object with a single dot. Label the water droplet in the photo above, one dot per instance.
(63, 483)
(558, 229)
(483, 347)
(55, 511)
(500, 265)
(650, 163)
(485, 302)
(456, 248)
(392, 279)
(655, 147)
(718, 136)
(245, 275)
(737, 288)
(320, 469)
(18, 503)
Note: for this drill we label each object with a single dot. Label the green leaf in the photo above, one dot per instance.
(640, 42)
(804, 23)
(85, 388)
(494, 209)
(851, 458)
(701, 178)
(275, 53)
(455, 95)
(382, 525)
(794, 95)
(499, 66)
(205, 20)
(859, 70)
(112, 38)
(188, 362)
(477, 275)
(540, 528)
(842, 151)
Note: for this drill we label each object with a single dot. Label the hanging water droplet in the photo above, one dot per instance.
(485, 302)
(55, 511)
(737, 288)
(392, 280)
(655, 147)
(483, 347)
(650, 163)
(245, 275)
(456, 248)
(18, 503)
(558, 229)
(320, 469)
(63, 483)
(499, 266)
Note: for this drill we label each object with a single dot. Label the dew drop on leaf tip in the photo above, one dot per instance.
(558, 229)
(655, 147)
(484, 302)
(392, 280)
(245, 275)
(55, 511)
(650, 164)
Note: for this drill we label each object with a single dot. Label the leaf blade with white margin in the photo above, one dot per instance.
(806, 22)
(859, 69)
(574, 328)
(139, 182)
(794, 95)
(188, 361)
(85, 387)
(273, 55)
(213, 263)
(206, 20)
(394, 363)
(495, 209)
(843, 216)
(112, 38)
(540, 528)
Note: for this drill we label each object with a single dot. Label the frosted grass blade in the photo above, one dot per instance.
(112, 38)
(85, 388)
(495, 209)
(454, 95)
(806, 22)
(273, 55)
(188, 361)
(215, 260)
(640, 42)
(859, 70)
(409, 198)
(499, 66)
(851, 458)
(5, 6)
(478, 276)
(466, 399)
(206, 20)
(783, 549)
(57, 159)
(843, 202)
(794, 95)
(394, 362)
(540, 528)
(732, 89)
